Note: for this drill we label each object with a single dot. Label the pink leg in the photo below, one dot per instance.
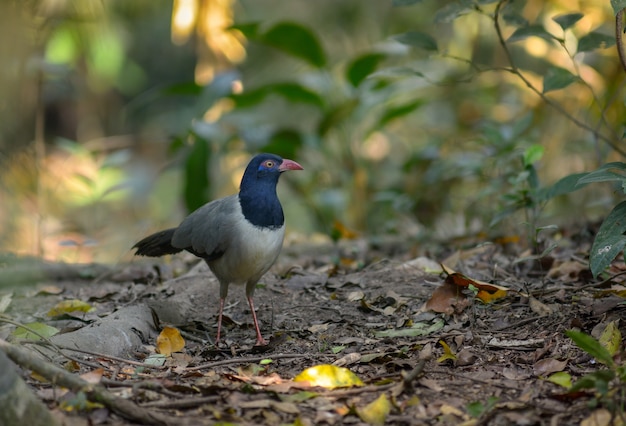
(219, 321)
(260, 341)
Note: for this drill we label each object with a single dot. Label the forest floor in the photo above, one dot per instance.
(423, 356)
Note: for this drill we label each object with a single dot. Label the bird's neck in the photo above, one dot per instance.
(261, 207)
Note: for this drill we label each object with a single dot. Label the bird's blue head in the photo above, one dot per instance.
(257, 193)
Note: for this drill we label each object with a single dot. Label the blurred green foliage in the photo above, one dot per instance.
(415, 118)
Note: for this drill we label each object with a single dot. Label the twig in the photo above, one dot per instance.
(244, 360)
(182, 403)
(601, 283)
(412, 375)
(46, 341)
(95, 393)
(514, 70)
(359, 390)
(619, 41)
(96, 354)
(151, 385)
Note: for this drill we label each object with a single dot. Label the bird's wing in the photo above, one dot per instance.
(207, 232)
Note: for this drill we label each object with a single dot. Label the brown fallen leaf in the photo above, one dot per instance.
(445, 298)
(486, 292)
(538, 307)
(567, 271)
(547, 366)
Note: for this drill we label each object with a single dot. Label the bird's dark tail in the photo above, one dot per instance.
(157, 244)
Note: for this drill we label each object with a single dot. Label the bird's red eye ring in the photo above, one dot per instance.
(269, 164)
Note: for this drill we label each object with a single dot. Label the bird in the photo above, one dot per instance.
(239, 236)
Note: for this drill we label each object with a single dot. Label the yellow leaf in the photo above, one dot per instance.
(340, 231)
(561, 378)
(376, 412)
(611, 338)
(170, 341)
(447, 353)
(68, 306)
(329, 376)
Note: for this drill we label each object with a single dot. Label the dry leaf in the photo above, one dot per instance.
(329, 376)
(539, 308)
(69, 306)
(94, 376)
(548, 366)
(376, 412)
(611, 338)
(340, 231)
(169, 341)
(447, 353)
(601, 417)
(486, 292)
(444, 299)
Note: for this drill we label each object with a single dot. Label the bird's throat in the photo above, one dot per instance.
(262, 208)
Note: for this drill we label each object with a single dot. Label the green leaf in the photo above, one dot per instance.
(610, 240)
(514, 18)
(37, 327)
(595, 40)
(591, 346)
(185, 89)
(557, 78)
(284, 142)
(337, 115)
(605, 173)
(293, 92)
(567, 20)
(451, 11)
(399, 111)
(363, 66)
(475, 409)
(196, 186)
(249, 30)
(400, 3)
(569, 183)
(530, 31)
(297, 93)
(618, 5)
(296, 40)
(532, 154)
(417, 39)
(598, 380)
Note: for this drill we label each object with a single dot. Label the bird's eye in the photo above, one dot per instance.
(269, 164)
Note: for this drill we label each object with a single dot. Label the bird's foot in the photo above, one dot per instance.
(261, 342)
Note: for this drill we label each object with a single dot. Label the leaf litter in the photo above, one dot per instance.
(490, 348)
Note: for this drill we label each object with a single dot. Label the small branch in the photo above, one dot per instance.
(95, 393)
(182, 403)
(619, 41)
(96, 354)
(514, 70)
(243, 360)
(45, 341)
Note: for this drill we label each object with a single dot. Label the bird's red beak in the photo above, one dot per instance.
(289, 165)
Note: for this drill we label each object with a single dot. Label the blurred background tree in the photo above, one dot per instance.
(420, 119)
